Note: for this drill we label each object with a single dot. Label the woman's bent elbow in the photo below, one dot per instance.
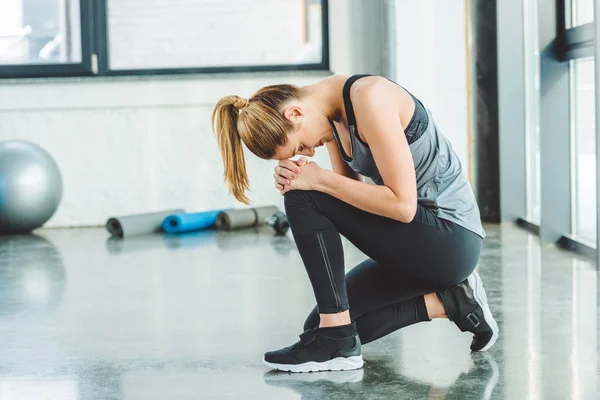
(407, 213)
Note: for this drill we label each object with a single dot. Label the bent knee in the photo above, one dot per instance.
(299, 199)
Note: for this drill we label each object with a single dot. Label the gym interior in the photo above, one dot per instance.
(127, 270)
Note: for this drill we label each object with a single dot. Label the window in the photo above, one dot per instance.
(125, 37)
(34, 32)
(576, 29)
(547, 104)
(583, 131)
(212, 33)
(581, 12)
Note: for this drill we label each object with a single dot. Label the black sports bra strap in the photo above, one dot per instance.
(347, 102)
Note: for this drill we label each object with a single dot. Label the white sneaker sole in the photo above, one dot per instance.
(339, 377)
(337, 364)
(481, 297)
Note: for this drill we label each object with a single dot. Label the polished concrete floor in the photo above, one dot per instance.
(86, 317)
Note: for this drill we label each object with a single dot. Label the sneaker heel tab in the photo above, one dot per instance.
(357, 344)
(442, 296)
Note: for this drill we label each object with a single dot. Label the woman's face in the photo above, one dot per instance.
(312, 130)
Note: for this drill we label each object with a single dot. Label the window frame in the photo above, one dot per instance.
(578, 42)
(95, 53)
(573, 42)
(83, 68)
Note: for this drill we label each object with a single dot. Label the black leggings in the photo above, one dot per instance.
(385, 292)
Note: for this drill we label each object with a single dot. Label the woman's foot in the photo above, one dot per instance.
(467, 305)
(320, 349)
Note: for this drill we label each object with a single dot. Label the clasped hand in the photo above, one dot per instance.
(297, 175)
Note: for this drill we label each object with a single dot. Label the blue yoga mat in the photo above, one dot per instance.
(188, 222)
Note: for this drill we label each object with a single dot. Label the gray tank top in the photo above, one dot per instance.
(441, 183)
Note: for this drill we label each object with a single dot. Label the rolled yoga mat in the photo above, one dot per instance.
(246, 218)
(138, 224)
(188, 222)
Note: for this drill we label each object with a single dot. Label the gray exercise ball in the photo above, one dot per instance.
(30, 186)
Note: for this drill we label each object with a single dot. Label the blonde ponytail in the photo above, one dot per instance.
(258, 123)
(224, 121)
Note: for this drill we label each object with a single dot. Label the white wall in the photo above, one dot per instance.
(129, 146)
(357, 41)
(431, 60)
(136, 145)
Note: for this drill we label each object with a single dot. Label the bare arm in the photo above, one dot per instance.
(379, 121)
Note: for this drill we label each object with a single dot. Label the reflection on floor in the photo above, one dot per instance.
(86, 317)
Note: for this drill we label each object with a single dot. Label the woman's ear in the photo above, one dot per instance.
(293, 112)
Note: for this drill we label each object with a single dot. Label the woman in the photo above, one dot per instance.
(419, 224)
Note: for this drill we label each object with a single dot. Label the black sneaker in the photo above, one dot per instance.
(467, 306)
(320, 349)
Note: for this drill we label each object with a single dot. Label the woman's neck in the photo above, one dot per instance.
(327, 96)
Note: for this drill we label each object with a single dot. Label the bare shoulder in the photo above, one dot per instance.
(372, 90)
(377, 95)
(338, 79)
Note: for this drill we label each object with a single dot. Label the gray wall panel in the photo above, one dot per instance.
(511, 110)
(554, 130)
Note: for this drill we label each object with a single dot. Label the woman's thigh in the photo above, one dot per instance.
(427, 249)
